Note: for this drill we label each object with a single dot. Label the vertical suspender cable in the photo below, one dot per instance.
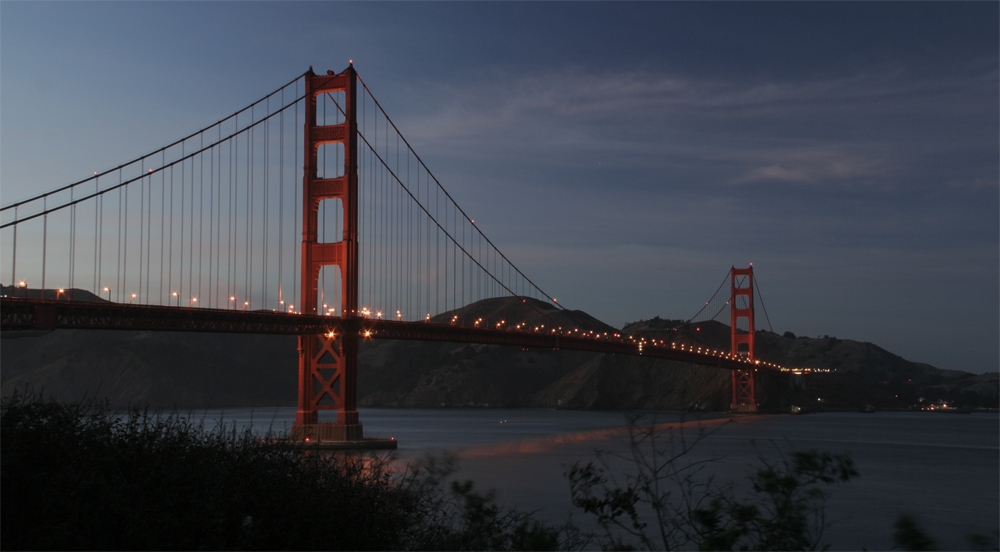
(762, 305)
(72, 242)
(96, 233)
(180, 254)
(295, 250)
(142, 219)
(211, 226)
(230, 221)
(97, 238)
(437, 254)
(149, 237)
(427, 192)
(409, 242)
(218, 226)
(281, 194)
(72, 238)
(251, 173)
(170, 249)
(267, 181)
(118, 258)
(201, 220)
(99, 255)
(45, 241)
(163, 207)
(13, 263)
(234, 195)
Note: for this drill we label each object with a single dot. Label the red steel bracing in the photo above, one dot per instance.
(328, 363)
(741, 311)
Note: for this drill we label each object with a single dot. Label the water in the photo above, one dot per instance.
(944, 469)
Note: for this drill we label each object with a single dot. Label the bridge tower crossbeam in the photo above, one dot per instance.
(328, 363)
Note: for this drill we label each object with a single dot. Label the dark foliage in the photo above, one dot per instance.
(786, 510)
(909, 535)
(667, 501)
(80, 476)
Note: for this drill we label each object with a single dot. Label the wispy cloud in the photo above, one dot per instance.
(847, 130)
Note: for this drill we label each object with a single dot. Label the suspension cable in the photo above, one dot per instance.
(710, 300)
(164, 148)
(759, 296)
(181, 160)
(431, 175)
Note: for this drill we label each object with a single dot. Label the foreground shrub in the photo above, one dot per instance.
(80, 476)
(656, 498)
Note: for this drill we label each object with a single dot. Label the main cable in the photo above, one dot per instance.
(164, 148)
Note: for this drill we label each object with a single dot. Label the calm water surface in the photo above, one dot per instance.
(942, 468)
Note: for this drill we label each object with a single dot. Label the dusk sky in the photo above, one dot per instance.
(624, 155)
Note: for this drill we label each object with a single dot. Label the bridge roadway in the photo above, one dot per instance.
(35, 314)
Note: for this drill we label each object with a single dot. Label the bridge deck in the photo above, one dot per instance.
(34, 314)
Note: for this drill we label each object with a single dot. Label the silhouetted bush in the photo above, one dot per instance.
(659, 499)
(81, 476)
(909, 535)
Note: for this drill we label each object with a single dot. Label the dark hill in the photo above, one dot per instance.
(526, 311)
(860, 373)
(72, 294)
(163, 369)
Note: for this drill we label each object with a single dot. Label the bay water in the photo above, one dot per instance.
(942, 469)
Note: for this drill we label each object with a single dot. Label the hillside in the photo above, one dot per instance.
(187, 370)
(861, 373)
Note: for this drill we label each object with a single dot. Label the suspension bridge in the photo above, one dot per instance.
(305, 213)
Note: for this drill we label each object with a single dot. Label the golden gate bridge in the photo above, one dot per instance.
(306, 213)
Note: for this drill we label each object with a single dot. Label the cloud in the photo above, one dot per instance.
(809, 166)
(852, 131)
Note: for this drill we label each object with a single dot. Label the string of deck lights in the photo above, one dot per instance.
(613, 337)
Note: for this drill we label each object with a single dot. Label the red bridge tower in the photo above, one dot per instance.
(741, 312)
(328, 364)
